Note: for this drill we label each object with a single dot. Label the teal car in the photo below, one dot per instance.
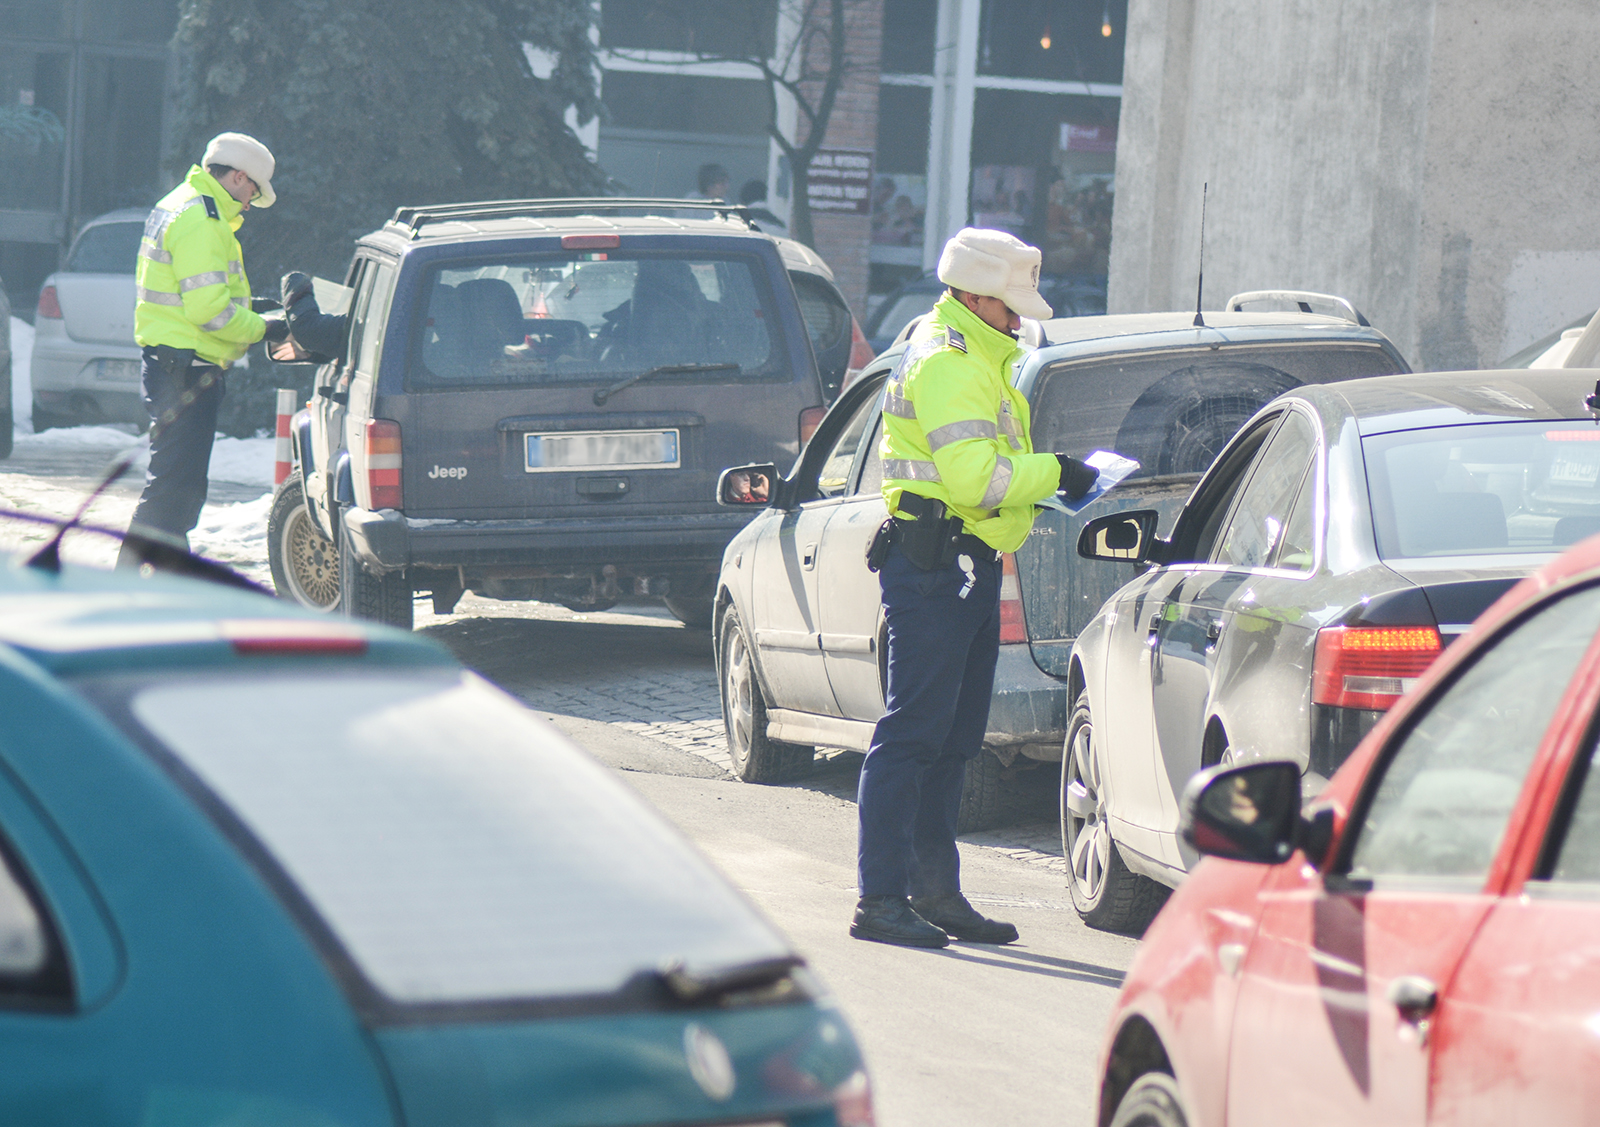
(258, 866)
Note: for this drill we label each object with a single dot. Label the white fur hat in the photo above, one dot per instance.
(249, 156)
(994, 264)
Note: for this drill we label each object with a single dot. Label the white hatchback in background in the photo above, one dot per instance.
(85, 360)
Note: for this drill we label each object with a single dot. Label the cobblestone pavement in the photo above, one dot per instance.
(638, 668)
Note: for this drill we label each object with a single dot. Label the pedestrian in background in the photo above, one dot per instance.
(713, 183)
(194, 317)
(961, 481)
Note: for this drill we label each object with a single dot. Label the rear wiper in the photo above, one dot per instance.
(605, 393)
(698, 986)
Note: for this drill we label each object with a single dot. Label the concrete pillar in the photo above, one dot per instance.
(955, 68)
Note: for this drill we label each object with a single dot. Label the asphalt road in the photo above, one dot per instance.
(968, 1035)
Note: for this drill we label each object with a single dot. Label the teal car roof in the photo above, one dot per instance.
(81, 620)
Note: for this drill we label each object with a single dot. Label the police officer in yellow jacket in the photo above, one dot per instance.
(194, 317)
(961, 481)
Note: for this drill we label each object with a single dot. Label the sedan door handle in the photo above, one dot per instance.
(808, 559)
(1155, 624)
(1213, 629)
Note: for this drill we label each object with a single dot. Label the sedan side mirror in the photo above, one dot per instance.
(1245, 813)
(287, 351)
(1127, 537)
(747, 486)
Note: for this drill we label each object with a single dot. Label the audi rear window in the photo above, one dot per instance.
(460, 849)
(108, 248)
(592, 317)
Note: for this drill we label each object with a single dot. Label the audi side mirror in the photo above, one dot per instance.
(1126, 537)
(1249, 812)
(747, 486)
(287, 351)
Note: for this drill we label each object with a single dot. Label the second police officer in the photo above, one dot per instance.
(961, 482)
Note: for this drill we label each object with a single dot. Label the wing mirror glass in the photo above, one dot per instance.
(1244, 813)
(1127, 537)
(747, 486)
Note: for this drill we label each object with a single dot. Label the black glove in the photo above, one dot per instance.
(277, 327)
(295, 286)
(264, 304)
(1076, 478)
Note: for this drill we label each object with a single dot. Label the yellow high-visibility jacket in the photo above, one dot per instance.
(192, 288)
(954, 428)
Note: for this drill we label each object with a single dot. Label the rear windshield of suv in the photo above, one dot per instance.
(460, 849)
(1173, 411)
(592, 317)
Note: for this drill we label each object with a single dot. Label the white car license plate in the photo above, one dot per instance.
(118, 371)
(596, 450)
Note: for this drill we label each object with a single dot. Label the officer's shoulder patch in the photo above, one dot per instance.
(211, 207)
(955, 339)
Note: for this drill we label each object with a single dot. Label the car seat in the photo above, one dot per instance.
(444, 343)
(491, 319)
(669, 317)
(1569, 530)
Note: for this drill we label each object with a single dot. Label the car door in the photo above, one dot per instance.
(788, 630)
(1318, 1036)
(327, 409)
(1138, 792)
(1515, 1029)
(851, 606)
(1195, 622)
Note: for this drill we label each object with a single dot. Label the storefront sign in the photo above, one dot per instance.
(1088, 138)
(840, 181)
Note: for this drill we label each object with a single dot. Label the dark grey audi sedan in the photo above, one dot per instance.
(1345, 536)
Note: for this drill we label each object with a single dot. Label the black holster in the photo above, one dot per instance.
(931, 541)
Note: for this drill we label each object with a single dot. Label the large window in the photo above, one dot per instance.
(588, 317)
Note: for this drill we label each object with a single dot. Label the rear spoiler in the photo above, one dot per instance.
(1303, 299)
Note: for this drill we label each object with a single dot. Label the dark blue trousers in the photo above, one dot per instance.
(182, 399)
(942, 652)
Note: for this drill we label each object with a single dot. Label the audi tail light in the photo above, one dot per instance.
(1370, 666)
(810, 419)
(49, 304)
(382, 446)
(1013, 626)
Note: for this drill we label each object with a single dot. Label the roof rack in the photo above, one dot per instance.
(418, 217)
(1304, 299)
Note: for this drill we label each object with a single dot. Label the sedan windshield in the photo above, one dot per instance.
(592, 318)
(1484, 489)
(459, 849)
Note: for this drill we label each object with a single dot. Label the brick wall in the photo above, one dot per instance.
(843, 240)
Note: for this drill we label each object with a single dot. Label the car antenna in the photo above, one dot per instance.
(1200, 286)
(48, 558)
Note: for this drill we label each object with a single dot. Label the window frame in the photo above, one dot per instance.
(1313, 466)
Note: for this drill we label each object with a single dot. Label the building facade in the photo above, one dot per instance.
(1432, 162)
(82, 86)
(1001, 113)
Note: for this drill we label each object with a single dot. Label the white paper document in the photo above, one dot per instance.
(1113, 469)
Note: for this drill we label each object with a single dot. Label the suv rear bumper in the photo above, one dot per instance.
(1028, 711)
(389, 541)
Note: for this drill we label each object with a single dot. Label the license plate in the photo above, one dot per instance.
(118, 371)
(602, 450)
(1572, 471)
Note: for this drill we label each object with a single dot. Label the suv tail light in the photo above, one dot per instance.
(810, 419)
(49, 304)
(860, 350)
(382, 471)
(1370, 666)
(1013, 626)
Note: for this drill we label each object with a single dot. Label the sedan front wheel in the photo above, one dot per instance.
(756, 759)
(1104, 891)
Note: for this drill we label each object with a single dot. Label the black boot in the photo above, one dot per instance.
(889, 919)
(951, 912)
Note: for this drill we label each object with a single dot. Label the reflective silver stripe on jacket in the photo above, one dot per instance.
(155, 226)
(226, 315)
(1009, 426)
(208, 278)
(904, 469)
(156, 297)
(999, 482)
(896, 404)
(235, 267)
(154, 254)
(940, 437)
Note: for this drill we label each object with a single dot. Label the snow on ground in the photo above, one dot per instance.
(242, 461)
(21, 379)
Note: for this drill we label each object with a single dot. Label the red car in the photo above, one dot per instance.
(1421, 944)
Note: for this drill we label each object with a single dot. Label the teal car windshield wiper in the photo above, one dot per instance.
(605, 393)
(698, 986)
